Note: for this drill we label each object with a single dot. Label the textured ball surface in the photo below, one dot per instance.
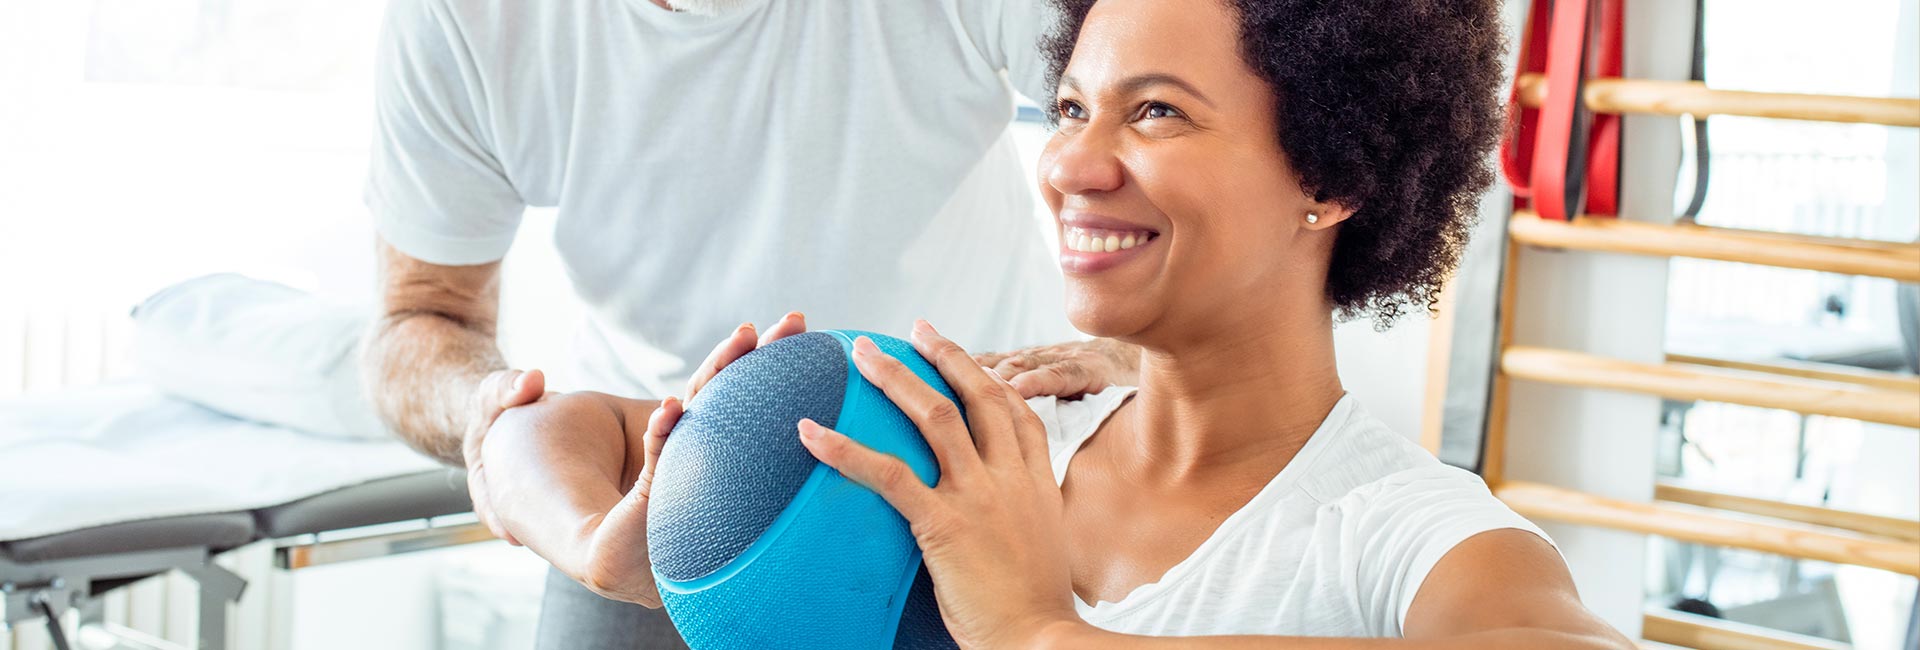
(755, 544)
(734, 462)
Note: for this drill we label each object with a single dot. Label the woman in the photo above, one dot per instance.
(1229, 176)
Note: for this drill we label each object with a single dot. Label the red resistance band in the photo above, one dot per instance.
(1561, 158)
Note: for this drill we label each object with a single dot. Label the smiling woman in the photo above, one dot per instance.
(1381, 108)
(1228, 178)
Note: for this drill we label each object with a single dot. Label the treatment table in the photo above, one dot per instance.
(105, 486)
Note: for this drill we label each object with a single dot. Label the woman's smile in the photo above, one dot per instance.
(1091, 243)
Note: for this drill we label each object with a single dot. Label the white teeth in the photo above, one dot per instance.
(1102, 241)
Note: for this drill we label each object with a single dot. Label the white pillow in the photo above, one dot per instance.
(258, 350)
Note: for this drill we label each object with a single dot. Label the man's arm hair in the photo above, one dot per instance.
(431, 347)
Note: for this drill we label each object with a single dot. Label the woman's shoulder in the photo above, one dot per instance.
(1414, 495)
(1354, 451)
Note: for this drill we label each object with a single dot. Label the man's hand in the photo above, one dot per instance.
(499, 391)
(1066, 370)
(569, 475)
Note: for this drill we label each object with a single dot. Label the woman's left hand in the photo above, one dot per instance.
(991, 529)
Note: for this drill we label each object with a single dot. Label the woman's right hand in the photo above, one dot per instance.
(550, 485)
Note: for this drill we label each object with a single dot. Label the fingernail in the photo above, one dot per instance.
(864, 346)
(924, 327)
(519, 382)
(809, 429)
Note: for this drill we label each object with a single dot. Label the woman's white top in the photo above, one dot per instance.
(1336, 544)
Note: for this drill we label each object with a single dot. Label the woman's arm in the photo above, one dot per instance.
(1499, 589)
(992, 536)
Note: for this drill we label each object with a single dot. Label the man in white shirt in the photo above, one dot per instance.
(711, 162)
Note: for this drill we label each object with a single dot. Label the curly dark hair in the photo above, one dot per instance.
(1389, 107)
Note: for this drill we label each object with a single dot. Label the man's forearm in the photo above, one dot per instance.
(422, 372)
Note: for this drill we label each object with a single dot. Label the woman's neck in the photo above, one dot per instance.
(1244, 395)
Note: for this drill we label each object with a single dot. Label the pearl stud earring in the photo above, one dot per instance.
(1313, 218)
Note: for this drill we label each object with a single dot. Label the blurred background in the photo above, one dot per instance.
(1834, 180)
(144, 142)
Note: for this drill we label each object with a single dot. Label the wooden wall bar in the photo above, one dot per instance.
(1706, 526)
(1679, 381)
(1890, 527)
(1851, 256)
(1705, 633)
(1810, 370)
(1695, 98)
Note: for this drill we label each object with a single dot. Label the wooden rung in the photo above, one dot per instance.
(1900, 261)
(1684, 382)
(1889, 527)
(1707, 633)
(1716, 528)
(1661, 97)
(1811, 370)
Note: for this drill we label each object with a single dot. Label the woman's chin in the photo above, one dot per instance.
(1105, 316)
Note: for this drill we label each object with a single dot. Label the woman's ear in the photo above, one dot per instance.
(1322, 215)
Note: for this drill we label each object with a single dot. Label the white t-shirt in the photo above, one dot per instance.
(1336, 545)
(845, 158)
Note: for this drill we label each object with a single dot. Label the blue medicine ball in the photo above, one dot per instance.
(755, 544)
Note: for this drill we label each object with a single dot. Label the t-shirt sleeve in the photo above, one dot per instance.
(1009, 32)
(1407, 522)
(434, 187)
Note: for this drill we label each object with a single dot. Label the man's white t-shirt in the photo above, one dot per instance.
(845, 158)
(1336, 545)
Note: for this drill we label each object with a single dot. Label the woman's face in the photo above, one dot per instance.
(1175, 205)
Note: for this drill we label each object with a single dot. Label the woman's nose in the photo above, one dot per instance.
(1082, 163)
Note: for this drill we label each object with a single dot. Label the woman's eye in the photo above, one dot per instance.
(1072, 110)
(1157, 110)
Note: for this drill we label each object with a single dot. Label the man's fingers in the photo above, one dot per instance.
(507, 388)
(737, 345)
(524, 388)
(504, 389)
(792, 323)
(483, 507)
(1062, 379)
(992, 359)
(882, 473)
(1012, 366)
